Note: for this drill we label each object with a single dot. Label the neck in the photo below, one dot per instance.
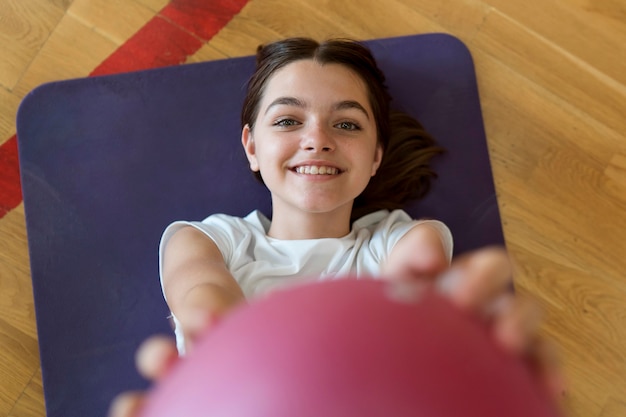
(298, 225)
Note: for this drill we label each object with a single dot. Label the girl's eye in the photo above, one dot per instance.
(348, 126)
(285, 123)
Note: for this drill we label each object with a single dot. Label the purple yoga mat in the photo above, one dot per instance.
(108, 162)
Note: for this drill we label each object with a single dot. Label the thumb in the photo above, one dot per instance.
(194, 323)
(427, 263)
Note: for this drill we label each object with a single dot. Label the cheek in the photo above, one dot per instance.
(272, 152)
(367, 155)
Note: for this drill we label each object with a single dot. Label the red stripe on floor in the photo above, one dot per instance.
(172, 43)
(201, 17)
(178, 31)
(10, 185)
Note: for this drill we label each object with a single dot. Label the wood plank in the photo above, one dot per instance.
(206, 53)
(154, 5)
(31, 403)
(259, 23)
(19, 351)
(577, 27)
(16, 297)
(551, 151)
(19, 358)
(573, 80)
(462, 18)
(608, 9)
(242, 36)
(551, 284)
(116, 20)
(615, 180)
(548, 163)
(62, 4)
(557, 164)
(72, 51)
(392, 18)
(615, 407)
(26, 25)
(9, 104)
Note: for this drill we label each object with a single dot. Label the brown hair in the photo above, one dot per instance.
(404, 173)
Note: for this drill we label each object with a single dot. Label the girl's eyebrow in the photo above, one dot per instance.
(295, 102)
(286, 101)
(351, 104)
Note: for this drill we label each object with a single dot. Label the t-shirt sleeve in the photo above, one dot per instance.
(217, 227)
(396, 224)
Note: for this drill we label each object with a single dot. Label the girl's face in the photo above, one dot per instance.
(314, 139)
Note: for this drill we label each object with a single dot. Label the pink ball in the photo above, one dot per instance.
(348, 348)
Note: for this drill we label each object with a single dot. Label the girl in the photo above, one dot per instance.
(316, 127)
(318, 131)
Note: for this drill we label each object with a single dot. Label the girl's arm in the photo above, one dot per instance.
(198, 286)
(480, 282)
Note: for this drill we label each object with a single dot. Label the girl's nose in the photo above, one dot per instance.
(318, 139)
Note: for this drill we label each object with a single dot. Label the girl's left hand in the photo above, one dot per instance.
(419, 255)
(480, 282)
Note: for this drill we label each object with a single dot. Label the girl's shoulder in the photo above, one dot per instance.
(381, 218)
(388, 227)
(225, 227)
(255, 221)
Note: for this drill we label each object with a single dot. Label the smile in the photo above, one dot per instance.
(316, 170)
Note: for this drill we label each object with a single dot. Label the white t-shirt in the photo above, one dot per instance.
(260, 263)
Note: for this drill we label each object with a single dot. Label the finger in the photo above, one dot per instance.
(197, 322)
(155, 357)
(477, 279)
(546, 365)
(126, 405)
(429, 263)
(516, 323)
(425, 265)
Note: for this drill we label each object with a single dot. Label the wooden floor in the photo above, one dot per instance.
(552, 77)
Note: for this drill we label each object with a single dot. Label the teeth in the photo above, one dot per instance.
(317, 170)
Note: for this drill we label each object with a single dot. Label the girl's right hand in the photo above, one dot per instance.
(204, 306)
(154, 359)
(156, 356)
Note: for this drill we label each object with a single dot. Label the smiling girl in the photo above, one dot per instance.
(316, 128)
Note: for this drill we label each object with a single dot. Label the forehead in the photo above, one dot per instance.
(309, 79)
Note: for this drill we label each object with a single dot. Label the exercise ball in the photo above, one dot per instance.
(348, 348)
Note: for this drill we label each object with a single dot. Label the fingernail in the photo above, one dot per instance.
(448, 282)
(198, 319)
(405, 291)
(510, 337)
